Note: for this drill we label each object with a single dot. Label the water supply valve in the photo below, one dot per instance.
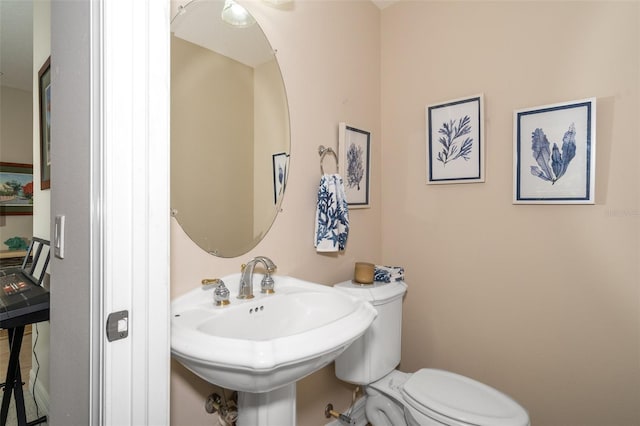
(343, 418)
(226, 410)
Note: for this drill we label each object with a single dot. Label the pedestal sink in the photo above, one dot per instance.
(262, 346)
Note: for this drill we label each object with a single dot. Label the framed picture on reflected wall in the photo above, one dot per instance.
(44, 87)
(354, 146)
(280, 170)
(455, 141)
(554, 153)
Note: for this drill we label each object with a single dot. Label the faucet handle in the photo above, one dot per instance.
(267, 284)
(221, 294)
(209, 281)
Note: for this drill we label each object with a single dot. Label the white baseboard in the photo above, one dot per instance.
(40, 394)
(357, 413)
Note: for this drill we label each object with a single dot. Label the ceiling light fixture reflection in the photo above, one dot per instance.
(236, 15)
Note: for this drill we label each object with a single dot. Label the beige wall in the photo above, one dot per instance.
(329, 55)
(15, 147)
(271, 132)
(41, 198)
(41, 51)
(206, 113)
(539, 301)
(15, 125)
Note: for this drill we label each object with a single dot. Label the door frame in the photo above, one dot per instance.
(110, 178)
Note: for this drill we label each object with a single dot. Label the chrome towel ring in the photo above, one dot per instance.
(322, 151)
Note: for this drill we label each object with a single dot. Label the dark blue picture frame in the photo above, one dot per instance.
(554, 153)
(455, 141)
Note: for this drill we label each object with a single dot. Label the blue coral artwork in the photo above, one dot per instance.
(455, 141)
(355, 158)
(554, 154)
(280, 162)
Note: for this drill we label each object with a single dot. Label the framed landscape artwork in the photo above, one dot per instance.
(16, 189)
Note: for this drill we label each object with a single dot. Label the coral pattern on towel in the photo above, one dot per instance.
(332, 215)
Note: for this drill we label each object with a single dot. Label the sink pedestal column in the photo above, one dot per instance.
(277, 407)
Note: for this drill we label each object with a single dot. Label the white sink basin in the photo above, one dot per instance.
(267, 342)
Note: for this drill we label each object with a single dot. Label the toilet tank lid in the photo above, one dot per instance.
(463, 399)
(377, 293)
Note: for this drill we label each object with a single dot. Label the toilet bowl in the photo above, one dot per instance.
(431, 397)
(428, 397)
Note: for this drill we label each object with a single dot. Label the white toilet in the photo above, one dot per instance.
(427, 397)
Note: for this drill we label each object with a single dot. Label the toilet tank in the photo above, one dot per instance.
(377, 352)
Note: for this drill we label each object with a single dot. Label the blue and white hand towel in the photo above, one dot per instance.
(388, 273)
(332, 215)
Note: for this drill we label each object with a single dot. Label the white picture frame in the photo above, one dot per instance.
(455, 141)
(554, 153)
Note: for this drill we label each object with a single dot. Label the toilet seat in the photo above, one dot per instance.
(459, 400)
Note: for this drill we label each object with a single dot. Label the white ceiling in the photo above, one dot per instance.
(248, 46)
(16, 44)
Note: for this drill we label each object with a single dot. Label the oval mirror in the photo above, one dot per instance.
(229, 130)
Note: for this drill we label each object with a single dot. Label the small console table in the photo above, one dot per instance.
(9, 254)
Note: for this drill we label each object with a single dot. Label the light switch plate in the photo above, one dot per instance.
(58, 237)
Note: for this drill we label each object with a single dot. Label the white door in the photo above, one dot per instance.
(110, 178)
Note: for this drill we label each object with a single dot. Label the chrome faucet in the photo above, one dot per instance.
(246, 279)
